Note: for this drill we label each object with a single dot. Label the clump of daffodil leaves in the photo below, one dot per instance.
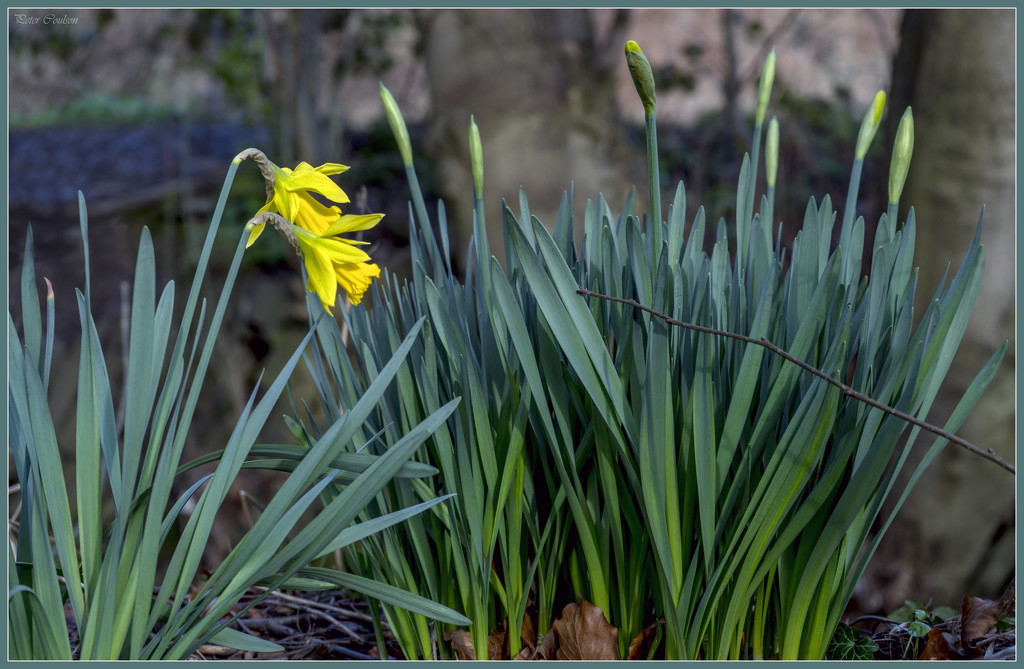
(313, 228)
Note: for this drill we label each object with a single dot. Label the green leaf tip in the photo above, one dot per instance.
(643, 76)
(902, 151)
(869, 125)
(397, 123)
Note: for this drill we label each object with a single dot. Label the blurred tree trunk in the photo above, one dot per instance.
(292, 69)
(955, 536)
(540, 85)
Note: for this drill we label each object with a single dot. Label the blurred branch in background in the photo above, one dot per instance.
(308, 56)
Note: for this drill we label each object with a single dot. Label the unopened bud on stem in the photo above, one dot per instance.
(869, 125)
(476, 158)
(771, 153)
(397, 123)
(764, 90)
(643, 76)
(901, 153)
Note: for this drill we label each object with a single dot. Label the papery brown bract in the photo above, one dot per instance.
(584, 634)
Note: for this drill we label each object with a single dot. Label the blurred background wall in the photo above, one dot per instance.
(142, 110)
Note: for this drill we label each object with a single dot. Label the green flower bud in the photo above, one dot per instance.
(901, 152)
(771, 153)
(476, 158)
(397, 123)
(764, 90)
(643, 76)
(869, 125)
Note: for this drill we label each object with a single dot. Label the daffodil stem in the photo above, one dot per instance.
(850, 211)
(654, 182)
(211, 234)
(483, 249)
(846, 390)
(849, 215)
(744, 218)
(892, 212)
(417, 198)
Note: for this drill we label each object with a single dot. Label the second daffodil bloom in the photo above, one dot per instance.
(330, 260)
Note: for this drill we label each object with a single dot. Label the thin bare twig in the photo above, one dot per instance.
(338, 624)
(988, 454)
(351, 613)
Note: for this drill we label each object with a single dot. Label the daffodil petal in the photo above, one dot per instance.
(255, 234)
(322, 279)
(326, 168)
(352, 223)
(314, 216)
(337, 249)
(283, 203)
(332, 168)
(258, 229)
(315, 182)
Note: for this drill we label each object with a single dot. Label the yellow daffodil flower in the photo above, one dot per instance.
(313, 228)
(331, 261)
(293, 197)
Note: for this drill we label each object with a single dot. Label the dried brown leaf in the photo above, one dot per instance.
(547, 647)
(978, 616)
(497, 648)
(462, 643)
(640, 646)
(525, 654)
(584, 634)
(938, 647)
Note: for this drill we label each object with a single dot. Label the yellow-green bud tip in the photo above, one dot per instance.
(869, 125)
(476, 157)
(397, 123)
(764, 89)
(877, 106)
(901, 153)
(771, 152)
(643, 76)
